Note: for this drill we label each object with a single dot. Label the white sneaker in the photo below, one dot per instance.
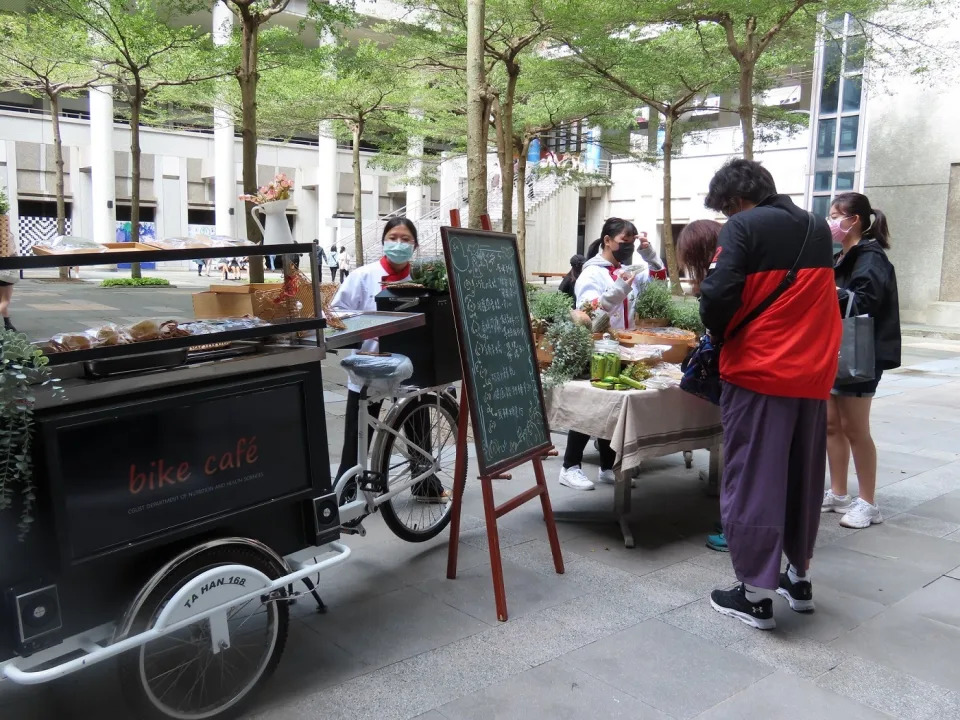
(835, 503)
(609, 477)
(861, 515)
(574, 478)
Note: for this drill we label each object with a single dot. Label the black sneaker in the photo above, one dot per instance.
(735, 604)
(799, 594)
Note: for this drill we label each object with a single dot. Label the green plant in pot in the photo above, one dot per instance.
(23, 367)
(432, 274)
(572, 350)
(653, 305)
(549, 308)
(686, 316)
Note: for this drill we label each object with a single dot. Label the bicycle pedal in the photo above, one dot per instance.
(372, 482)
(357, 529)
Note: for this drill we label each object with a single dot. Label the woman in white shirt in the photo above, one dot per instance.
(357, 292)
(343, 259)
(609, 284)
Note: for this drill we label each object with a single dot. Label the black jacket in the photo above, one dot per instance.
(866, 274)
(567, 285)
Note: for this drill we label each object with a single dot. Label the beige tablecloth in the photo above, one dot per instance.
(640, 424)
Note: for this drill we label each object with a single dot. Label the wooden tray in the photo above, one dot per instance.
(107, 247)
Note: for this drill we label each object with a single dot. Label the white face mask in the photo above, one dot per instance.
(398, 253)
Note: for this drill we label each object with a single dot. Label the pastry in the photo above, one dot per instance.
(170, 329)
(66, 342)
(144, 330)
(112, 335)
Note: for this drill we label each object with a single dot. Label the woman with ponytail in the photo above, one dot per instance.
(608, 280)
(867, 284)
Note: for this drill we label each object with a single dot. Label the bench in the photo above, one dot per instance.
(546, 275)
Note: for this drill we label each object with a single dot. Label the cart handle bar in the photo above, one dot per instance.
(96, 653)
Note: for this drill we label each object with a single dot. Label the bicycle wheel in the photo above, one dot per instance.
(421, 511)
(178, 676)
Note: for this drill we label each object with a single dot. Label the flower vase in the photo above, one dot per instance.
(276, 230)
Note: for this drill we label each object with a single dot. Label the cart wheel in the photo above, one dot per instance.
(422, 511)
(179, 676)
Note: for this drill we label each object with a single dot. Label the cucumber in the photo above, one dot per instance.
(600, 385)
(624, 380)
(613, 380)
(619, 386)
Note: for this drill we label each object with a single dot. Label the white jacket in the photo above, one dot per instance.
(595, 283)
(357, 292)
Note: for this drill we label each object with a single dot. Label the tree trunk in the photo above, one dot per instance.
(747, 68)
(477, 114)
(506, 170)
(247, 76)
(58, 163)
(135, 105)
(522, 206)
(357, 130)
(669, 250)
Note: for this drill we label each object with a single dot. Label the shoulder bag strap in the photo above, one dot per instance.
(787, 281)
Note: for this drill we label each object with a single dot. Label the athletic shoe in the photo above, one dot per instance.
(734, 603)
(574, 478)
(718, 542)
(609, 477)
(799, 594)
(861, 515)
(835, 503)
(434, 499)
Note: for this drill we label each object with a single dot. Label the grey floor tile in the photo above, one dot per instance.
(535, 639)
(945, 508)
(432, 715)
(596, 615)
(830, 530)
(939, 601)
(789, 653)
(881, 580)
(922, 552)
(835, 614)
(656, 548)
(908, 643)
(902, 696)
(692, 578)
(676, 672)
(923, 525)
(782, 697)
(536, 555)
(526, 591)
(477, 537)
(701, 619)
(718, 562)
(398, 625)
(550, 692)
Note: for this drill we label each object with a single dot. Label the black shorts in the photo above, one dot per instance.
(867, 388)
(3, 283)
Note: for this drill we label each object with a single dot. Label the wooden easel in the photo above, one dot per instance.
(492, 511)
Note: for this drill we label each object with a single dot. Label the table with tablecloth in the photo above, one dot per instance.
(640, 424)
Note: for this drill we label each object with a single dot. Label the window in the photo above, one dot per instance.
(839, 87)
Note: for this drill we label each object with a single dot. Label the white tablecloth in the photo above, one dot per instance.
(640, 424)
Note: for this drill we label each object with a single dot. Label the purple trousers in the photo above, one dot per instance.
(775, 454)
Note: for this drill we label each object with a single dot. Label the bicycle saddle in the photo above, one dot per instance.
(380, 372)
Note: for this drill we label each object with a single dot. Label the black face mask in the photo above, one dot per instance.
(624, 253)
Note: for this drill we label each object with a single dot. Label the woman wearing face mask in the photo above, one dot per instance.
(608, 283)
(866, 279)
(357, 292)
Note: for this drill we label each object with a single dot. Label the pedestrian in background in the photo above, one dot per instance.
(865, 281)
(777, 372)
(333, 262)
(569, 281)
(344, 260)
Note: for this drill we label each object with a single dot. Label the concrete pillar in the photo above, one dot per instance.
(102, 166)
(224, 142)
(328, 180)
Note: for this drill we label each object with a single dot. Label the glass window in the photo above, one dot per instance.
(821, 205)
(849, 129)
(844, 181)
(846, 172)
(822, 181)
(852, 86)
(855, 50)
(826, 134)
(832, 57)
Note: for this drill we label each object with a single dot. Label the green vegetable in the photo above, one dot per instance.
(602, 385)
(612, 364)
(623, 379)
(611, 379)
(597, 366)
(637, 371)
(621, 386)
(686, 316)
(432, 274)
(654, 301)
(572, 352)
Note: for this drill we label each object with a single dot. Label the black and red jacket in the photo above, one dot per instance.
(789, 350)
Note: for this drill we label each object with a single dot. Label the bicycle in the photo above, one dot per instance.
(413, 449)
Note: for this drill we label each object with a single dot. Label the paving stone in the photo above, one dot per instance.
(692, 578)
(920, 551)
(781, 696)
(596, 615)
(535, 639)
(881, 580)
(945, 508)
(923, 525)
(536, 555)
(939, 601)
(701, 619)
(718, 562)
(836, 613)
(898, 694)
(672, 670)
(657, 547)
(478, 537)
(550, 692)
(789, 653)
(396, 626)
(831, 530)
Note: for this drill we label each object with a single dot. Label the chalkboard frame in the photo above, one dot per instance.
(489, 469)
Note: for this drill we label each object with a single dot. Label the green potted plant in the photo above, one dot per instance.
(572, 349)
(686, 316)
(432, 274)
(653, 305)
(548, 308)
(23, 367)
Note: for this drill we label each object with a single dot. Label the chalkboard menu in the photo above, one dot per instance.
(496, 346)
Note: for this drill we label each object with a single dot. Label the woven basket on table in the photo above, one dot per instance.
(293, 300)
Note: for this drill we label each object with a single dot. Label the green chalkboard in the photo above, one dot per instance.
(500, 376)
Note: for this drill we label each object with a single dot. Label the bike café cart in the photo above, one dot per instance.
(178, 508)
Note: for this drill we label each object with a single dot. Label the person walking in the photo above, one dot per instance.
(343, 259)
(769, 297)
(569, 281)
(332, 261)
(867, 284)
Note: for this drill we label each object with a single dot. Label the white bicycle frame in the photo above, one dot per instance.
(367, 502)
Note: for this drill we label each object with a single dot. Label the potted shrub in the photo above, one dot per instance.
(572, 349)
(653, 305)
(547, 309)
